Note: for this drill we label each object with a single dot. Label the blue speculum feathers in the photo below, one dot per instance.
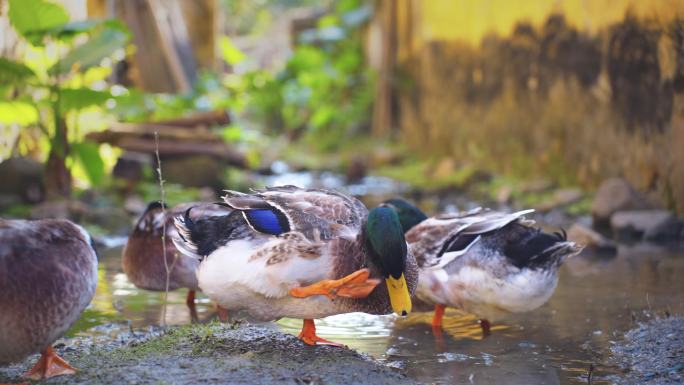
(267, 221)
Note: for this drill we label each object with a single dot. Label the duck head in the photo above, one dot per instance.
(409, 215)
(388, 251)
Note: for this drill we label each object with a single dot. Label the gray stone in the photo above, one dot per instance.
(653, 225)
(22, 180)
(210, 354)
(592, 240)
(615, 195)
(195, 171)
(561, 198)
(652, 352)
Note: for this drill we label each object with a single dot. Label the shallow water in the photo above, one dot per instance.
(597, 299)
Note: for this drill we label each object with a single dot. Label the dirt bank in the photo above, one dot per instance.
(209, 354)
(653, 353)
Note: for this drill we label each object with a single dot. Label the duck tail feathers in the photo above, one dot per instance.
(554, 255)
(184, 241)
(541, 250)
(558, 253)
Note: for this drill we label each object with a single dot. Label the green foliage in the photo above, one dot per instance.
(12, 72)
(51, 92)
(324, 92)
(79, 98)
(33, 19)
(88, 155)
(108, 39)
(231, 54)
(17, 112)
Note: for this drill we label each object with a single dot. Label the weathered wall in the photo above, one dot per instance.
(570, 90)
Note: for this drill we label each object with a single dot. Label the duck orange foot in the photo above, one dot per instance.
(49, 365)
(309, 337)
(355, 285)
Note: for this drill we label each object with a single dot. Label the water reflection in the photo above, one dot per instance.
(597, 299)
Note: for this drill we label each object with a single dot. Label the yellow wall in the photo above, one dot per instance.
(470, 20)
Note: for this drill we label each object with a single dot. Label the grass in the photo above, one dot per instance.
(202, 338)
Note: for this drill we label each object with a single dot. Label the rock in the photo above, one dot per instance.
(210, 354)
(504, 194)
(64, 209)
(592, 240)
(356, 170)
(652, 352)
(652, 225)
(615, 195)
(22, 180)
(130, 166)
(134, 205)
(114, 220)
(536, 186)
(196, 171)
(560, 198)
(444, 168)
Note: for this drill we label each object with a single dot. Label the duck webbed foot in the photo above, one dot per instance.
(222, 313)
(355, 285)
(437, 318)
(309, 337)
(49, 365)
(486, 327)
(190, 301)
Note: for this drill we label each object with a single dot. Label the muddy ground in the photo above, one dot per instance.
(208, 354)
(652, 353)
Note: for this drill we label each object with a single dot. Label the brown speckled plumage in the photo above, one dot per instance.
(320, 222)
(356, 258)
(48, 275)
(313, 212)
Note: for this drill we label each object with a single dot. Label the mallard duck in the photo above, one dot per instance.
(143, 256)
(482, 261)
(301, 253)
(48, 275)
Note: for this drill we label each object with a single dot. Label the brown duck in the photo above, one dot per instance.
(143, 256)
(48, 275)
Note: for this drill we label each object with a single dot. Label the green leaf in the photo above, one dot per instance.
(78, 98)
(74, 28)
(20, 113)
(14, 72)
(231, 54)
(88, 154)
(33, 18)
(92, 52)
(322, 116)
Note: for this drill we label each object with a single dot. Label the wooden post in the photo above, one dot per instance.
(382, 109)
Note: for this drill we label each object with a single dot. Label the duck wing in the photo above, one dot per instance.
(440, 240)
(316, 213)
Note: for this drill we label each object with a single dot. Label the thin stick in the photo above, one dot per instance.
(163, 234)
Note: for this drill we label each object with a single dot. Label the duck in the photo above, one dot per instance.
(48, 275)
(143, 256)
(301, 253)
(484, 262)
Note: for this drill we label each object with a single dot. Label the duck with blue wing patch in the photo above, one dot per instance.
(483, 262)
(302, 253)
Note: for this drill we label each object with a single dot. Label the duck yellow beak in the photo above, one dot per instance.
(399, 295)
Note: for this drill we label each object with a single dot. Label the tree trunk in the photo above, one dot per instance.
(57, 175)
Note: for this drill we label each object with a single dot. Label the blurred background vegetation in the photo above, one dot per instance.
(527, 101)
